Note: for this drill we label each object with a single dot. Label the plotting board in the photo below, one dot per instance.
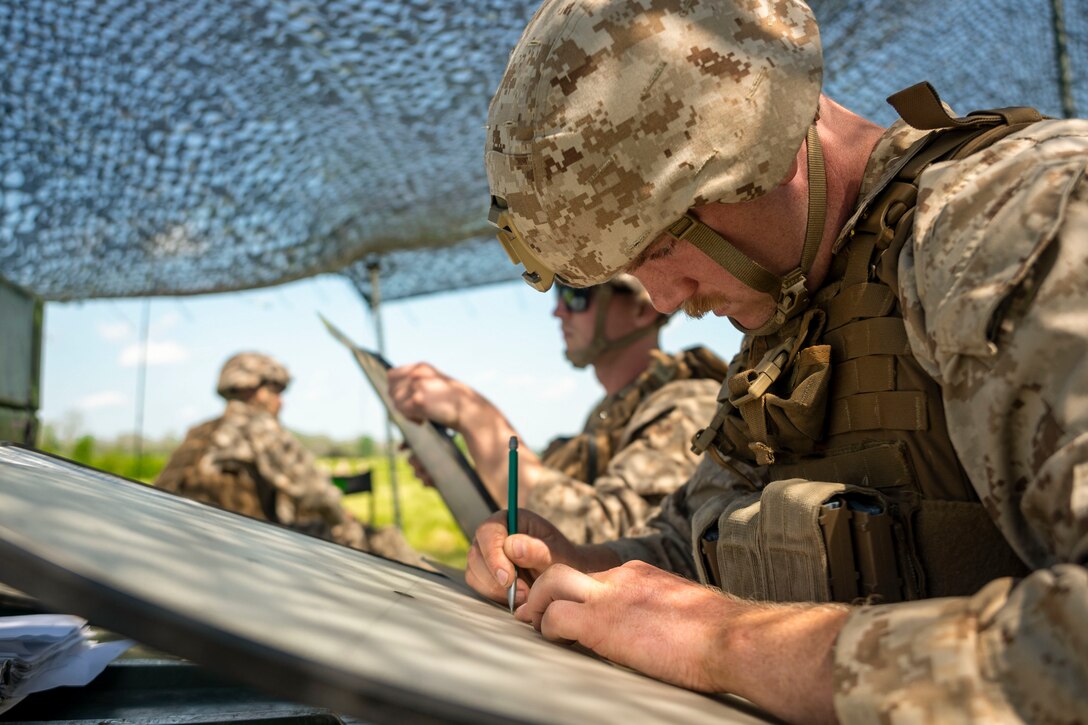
(299, 617)
(454, 477)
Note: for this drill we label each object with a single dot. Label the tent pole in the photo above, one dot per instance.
(1061, 49)
(376, 307)
(141, 386)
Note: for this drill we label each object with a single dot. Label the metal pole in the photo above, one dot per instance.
(1061, 49)
(391, 452)
(141, 384)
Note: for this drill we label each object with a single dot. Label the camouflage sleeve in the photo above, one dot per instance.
(996, 302)
(668, 540)
(1010, 653)
(654, 459)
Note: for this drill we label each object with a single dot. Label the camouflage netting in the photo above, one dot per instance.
(182, 146)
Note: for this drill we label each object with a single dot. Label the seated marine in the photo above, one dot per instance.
(634, 446)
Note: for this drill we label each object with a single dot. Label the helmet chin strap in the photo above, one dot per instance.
(789, 291)
(590, 353)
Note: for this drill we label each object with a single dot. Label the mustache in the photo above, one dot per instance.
(697, 306)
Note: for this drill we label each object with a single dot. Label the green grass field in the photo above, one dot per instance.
(428, 524)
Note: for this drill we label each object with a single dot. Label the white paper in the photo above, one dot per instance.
(42, 651)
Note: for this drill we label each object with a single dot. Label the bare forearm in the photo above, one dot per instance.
(777, 656)
(781, 658)
(487, 434)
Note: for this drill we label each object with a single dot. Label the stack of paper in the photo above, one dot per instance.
(39, 651)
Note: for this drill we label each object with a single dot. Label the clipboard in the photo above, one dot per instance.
(456, 480)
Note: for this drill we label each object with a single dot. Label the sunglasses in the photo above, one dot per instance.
(574, 299)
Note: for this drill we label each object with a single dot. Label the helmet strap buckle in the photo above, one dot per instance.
(794, 295)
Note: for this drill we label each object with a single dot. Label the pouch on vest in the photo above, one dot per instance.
(806, 541)
(582, 457)
(780, 404)
(815, 541)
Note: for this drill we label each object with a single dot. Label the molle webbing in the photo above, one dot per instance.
(859, 301)
(885, 410)
(873, 336)
(584, 457)
(881, 432)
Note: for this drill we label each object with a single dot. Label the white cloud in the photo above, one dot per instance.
(167, 352)
(114, 331)
(104, 399)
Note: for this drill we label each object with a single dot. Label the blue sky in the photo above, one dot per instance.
(501, 339)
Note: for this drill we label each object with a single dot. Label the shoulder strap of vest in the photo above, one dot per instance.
(886, 222)
(887, 215)
(699, 362)
(952, 137)
(921, 107)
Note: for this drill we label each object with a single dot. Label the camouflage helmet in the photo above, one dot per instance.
(585, 171)
(248, 371)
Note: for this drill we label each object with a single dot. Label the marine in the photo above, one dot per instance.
(245, 461)
(890, 495)
(633, 449)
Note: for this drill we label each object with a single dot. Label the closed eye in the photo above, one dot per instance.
(660, 249)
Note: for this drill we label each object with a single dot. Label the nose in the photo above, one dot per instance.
(665, 294)
(559, 310)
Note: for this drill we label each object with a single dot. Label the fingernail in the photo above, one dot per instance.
(519, 549)
(502, 576)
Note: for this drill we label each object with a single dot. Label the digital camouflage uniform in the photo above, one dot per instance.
(988, 302)
(633, 450)
(245, 461)
(994, 292)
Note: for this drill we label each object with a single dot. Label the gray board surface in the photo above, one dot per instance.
(297, 616)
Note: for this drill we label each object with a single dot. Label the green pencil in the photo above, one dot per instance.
(512, 510)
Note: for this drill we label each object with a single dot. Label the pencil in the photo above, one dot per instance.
(512, 510)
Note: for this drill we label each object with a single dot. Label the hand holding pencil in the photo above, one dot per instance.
(494, 561)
